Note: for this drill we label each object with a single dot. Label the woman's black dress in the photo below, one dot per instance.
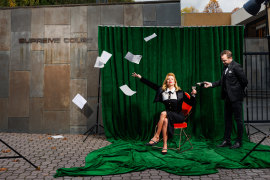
(173, 115)
(173, 106)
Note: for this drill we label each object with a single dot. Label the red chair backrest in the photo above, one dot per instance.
(185, 107)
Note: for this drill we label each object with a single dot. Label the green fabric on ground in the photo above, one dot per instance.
(204, 158)
(193, 54)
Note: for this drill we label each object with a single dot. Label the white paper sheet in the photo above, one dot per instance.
(150, 37)
(79, 101)
(57, 136)
(133, 58)
(127, 91)
(98, 63)
(105, 56)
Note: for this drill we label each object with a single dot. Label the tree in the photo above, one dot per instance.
(190, 9)
(235, 9)
(14, 3)
(3, 4)
(11, 3)
(7, 3)
(212, 7)
(27, 2)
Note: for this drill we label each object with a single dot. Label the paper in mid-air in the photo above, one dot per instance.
(133, 58)
(127, 91)
(148, 38)
(98, 63)
(79, 101)
(105, 56)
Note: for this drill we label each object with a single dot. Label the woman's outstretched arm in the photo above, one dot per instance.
(145, 81)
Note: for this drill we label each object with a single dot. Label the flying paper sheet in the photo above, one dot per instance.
(105, 56)
(98, 63)
(127, 91)
(150, 37)
(79, 101)
(133, 58)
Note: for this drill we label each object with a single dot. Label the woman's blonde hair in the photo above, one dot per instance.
(164, 85)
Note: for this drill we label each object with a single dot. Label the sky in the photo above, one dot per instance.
(225, 5)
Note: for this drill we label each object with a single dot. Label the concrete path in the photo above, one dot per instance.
(51, 154)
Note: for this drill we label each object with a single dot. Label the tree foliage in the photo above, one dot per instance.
(212, 7)
(14, 3)
(235, 9)
(190, 9)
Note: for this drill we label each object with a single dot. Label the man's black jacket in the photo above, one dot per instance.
(235, 82)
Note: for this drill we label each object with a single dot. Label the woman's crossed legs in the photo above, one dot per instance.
(161, 126)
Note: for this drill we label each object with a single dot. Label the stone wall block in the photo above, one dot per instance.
(37, 74)
(18, 124)
(92, 74)
(4, 74)
(57, 52)
(149, 12)
(3, 114)
(5, 24)
(36, 121)
(79, 19)
(112, 15)
(78, 57)
(133, 15)
(77, 117)
(93, 20)
(168, 14)
(19, 91)
(56, 121)
(21, 20)
(57, 87)
(20, 52)
(37, 28)
(57, 16)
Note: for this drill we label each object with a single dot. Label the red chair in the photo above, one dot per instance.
(186, 110)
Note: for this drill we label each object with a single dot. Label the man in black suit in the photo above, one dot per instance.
(233, 83)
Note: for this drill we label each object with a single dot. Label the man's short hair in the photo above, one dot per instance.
(227, 52)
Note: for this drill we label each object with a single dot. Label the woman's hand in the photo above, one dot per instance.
(136, 75)
(193, 92)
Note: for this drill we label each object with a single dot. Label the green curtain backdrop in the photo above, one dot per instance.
(193, 54)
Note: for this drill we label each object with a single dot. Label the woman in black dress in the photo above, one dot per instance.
(171, 95)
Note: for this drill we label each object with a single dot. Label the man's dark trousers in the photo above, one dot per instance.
(233, 108)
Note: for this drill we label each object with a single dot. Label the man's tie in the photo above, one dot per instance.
(170, 92)
(226, 70)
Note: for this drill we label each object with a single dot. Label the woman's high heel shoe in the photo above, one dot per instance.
(164, 152)
(152, 144)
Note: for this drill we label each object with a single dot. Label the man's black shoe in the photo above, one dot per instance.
(224, 144)
(236, 145)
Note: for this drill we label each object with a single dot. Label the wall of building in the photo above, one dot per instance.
(205, 19)
(241, 17)
(39, 80)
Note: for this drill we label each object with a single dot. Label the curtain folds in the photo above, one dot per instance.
(192, 53)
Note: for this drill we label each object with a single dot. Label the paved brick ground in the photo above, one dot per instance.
(51, 154)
